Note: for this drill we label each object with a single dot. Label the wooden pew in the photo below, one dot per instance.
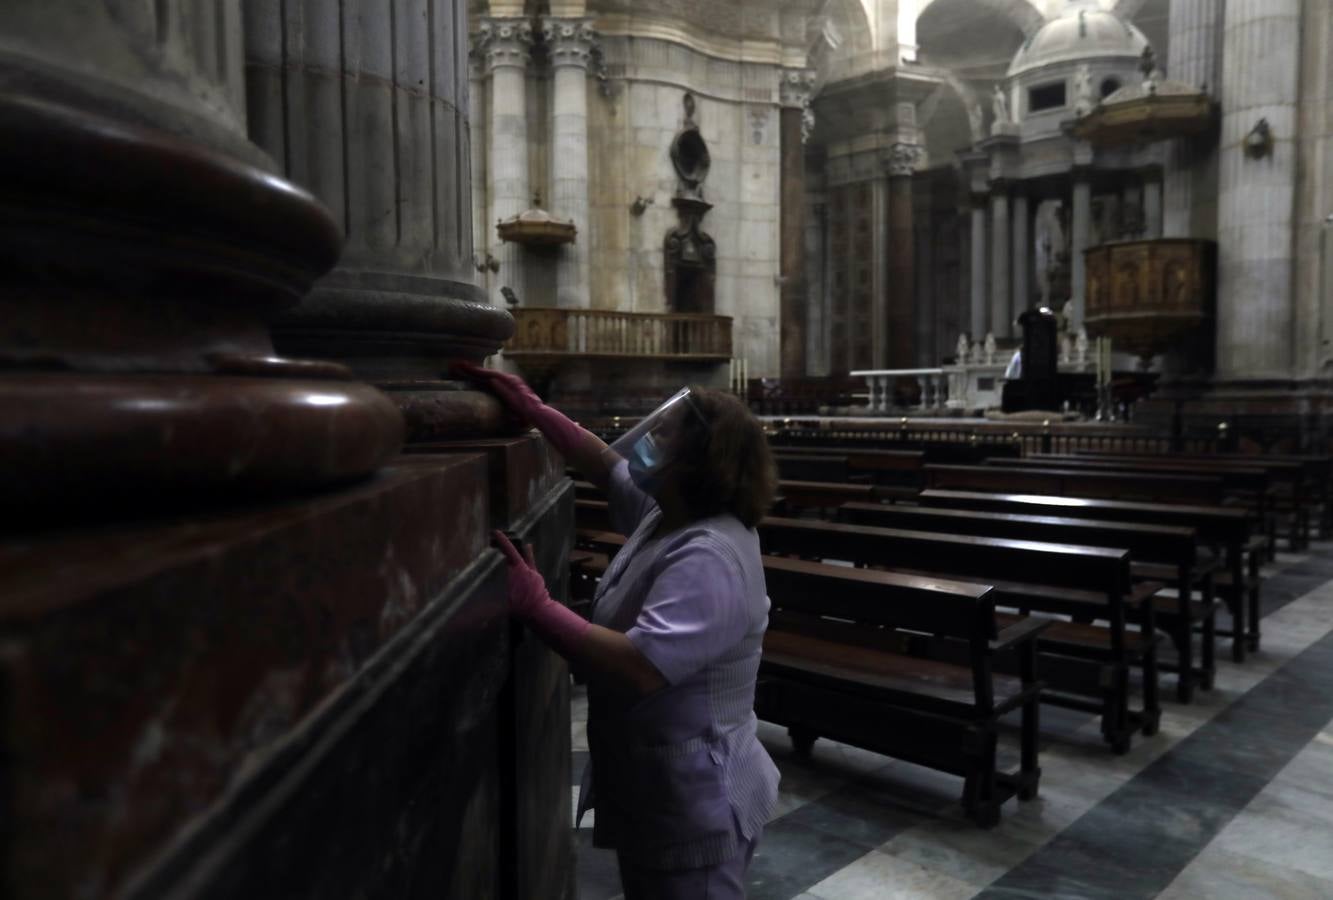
(900, 468)
(1226, 529)
(848, 656)
(1292, 490)
(1086, 666)
(831, 467)
(1157, 553)
(1077, 483)
(1248, 484)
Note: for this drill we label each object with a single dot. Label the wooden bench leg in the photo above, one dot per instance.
(1236, 604)
(1116, 729)
(1183, 638)
(1030, 728)
(1207, 652)
(802, 742)
(1152, 704)
(1255, 614)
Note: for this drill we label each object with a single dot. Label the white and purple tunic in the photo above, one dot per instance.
(678, 779)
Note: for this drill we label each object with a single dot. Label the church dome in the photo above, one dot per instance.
(1083, 32)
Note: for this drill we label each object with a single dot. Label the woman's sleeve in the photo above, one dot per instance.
(626, 504)
(696, 610)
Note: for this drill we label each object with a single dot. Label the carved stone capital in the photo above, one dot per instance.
(795, 87)
(571, 42)
(503, 42)
(902, 159)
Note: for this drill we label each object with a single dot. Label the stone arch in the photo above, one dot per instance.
(844, 28)
(1023, 13)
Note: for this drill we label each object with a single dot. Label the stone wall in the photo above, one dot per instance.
(629, 134)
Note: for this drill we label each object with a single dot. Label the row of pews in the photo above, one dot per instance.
(920, 596)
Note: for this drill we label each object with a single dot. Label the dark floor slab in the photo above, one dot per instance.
(1137, 840)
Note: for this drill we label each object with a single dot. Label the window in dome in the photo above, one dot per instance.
(1109, 87)
(1046, 96)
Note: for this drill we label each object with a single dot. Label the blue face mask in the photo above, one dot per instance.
(645, 464)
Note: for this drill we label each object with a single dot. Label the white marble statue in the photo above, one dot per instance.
(990, 349)
(1081, 349)
(1000, 109)
(1083, 99)
(960, 349)
(976, 121)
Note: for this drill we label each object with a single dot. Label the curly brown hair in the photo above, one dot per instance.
(726, 464)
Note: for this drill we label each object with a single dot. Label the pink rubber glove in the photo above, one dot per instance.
(564, 435)
(561, 628)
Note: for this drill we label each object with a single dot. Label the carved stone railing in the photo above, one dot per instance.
(555, 332)
(934, 390)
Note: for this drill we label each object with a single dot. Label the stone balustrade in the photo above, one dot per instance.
(934, 388)
(557, 332)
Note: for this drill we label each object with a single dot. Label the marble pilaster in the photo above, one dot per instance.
(1256, 196)
(1022, 244)
(901, 255)
(794, 88)
(1080, 236)
(1152, 207)
(1195, 29)
(980, 315)
(1001, 302)
(570, 44)
(505, 44)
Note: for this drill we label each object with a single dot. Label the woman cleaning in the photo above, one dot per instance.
(680, 784)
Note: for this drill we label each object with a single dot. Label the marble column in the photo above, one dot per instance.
(794, 89)
(483, 238)
(504, 44)
(1152, 206)
(818, 286)
(570, 43)
(1001, 303)
(1314, 195)
(901, 257)
(879, 279)
(1080, 234)
(1256, 197)
(148, 429)
(1022, 249)
(1194, 27)
(980, 314)
(370, 111)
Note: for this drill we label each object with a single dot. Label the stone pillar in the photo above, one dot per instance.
(1080, 234)
(1256, 198)
(483, 237)
(1194, 27)
(818, 288)
(504, 44)
(980, 314)
(1001, 304)
(570, 43)
(371, 112)
(1314, 194)
(879, 278)
(1152, 206)
(1022, 247)
(145, 245)
(901, 256)
(794, 95)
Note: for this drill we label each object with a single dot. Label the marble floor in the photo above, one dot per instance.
(1232, 799)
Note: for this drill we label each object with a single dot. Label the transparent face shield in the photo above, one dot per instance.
(651, 446)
